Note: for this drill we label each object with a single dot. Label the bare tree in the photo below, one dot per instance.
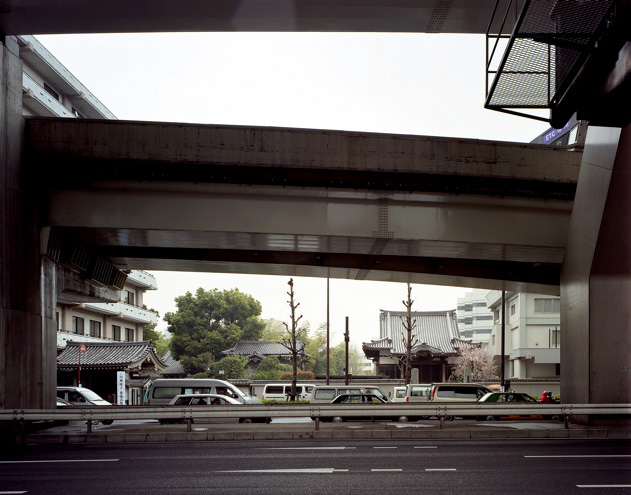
(404, 363)
(408, 341)
(290, 342)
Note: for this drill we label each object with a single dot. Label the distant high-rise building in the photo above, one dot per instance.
(475, 319)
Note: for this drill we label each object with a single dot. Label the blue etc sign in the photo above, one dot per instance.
(555, 133)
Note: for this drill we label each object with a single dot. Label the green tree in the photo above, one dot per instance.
(209, 322)
(270, 368)
(274, 330)
(228, 368)
(158, 339)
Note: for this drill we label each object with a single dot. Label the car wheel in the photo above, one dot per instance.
(245, 420)
(403, 419)
(338, 419)
(490, 418)
(107, 421)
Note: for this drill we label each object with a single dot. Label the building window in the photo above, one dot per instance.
(57, 320)
(512, 310)
(95, 329)
(129, 334)
(77, 325)
(51, 91)
(484, 317)
(116, 332)
(558, 370)
(129, 297)
(555, 338)
(547, 305)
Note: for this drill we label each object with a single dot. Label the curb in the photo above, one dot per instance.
(285, 435)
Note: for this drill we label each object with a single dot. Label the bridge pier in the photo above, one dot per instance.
(596, 278)
(27, 292)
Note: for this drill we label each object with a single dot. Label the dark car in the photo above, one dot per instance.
(360, 400)
(511, 397)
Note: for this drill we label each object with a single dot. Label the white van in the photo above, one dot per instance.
(398, 394)
(281, 391)
(163, 390)
(324, 394)
(417, 392)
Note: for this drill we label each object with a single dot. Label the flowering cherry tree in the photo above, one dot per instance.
(478, 361)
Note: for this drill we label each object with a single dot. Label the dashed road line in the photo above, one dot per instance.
(440, 469)
(603, 486)
(574, 456)
(383, 470)
(58, 460)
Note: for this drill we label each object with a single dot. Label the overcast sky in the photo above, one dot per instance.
(422, 84)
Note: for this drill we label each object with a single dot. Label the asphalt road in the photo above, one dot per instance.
(362, 467)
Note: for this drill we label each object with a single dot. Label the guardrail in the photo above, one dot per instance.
(188, 414)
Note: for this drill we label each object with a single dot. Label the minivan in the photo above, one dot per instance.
(457, 392)
(163, 390)
(276, 391)
(324, 394)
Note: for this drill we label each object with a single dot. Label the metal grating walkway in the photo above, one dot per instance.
(547, 47)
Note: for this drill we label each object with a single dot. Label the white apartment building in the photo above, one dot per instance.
(50, 90)
(475, 319)
(532, 334)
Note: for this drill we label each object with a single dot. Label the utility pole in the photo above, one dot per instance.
(346, 340)
(503, 344)
(328, 332)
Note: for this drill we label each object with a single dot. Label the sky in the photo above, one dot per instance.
(418, 84)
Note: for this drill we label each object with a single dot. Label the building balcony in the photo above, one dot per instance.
(142, 279)
(40, 101)
(538, 355)
(64, 336)
(53, 71)
(124, 311)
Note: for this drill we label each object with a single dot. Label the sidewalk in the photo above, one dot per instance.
(134, 432)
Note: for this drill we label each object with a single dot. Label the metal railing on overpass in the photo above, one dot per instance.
(188, 414)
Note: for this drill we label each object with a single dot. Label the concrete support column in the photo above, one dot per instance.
(596, 278)
(27, 280)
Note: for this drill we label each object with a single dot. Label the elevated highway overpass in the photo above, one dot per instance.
(391, 16)
(308, 202)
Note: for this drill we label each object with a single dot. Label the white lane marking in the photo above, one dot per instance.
(386, 470)
(308, 448)
(603, 486)
(432, 447)
(575, 456)
(437, 469)
(385, 447)
(59, 460)
(11, 493)
(289, 471)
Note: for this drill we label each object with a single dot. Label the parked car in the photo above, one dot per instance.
(208, 400)
(511, 397)
(81, 396)
(359, 399)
